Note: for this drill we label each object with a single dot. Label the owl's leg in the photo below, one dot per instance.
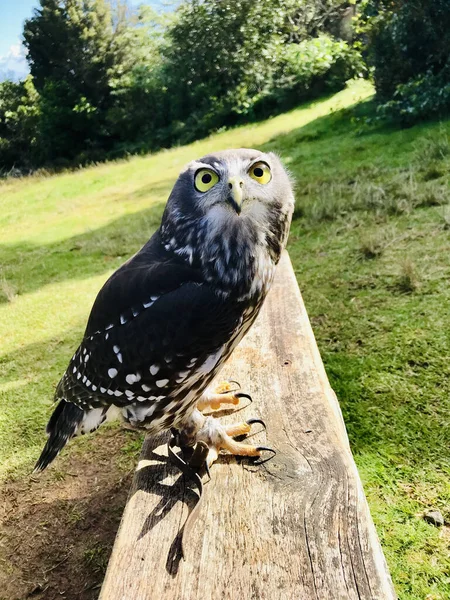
(223, 393)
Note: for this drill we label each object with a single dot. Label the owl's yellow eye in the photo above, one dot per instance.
(205, 179)
(260, 172)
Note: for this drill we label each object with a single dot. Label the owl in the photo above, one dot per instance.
(166, 321)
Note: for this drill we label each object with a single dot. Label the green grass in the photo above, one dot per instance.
(370, 246)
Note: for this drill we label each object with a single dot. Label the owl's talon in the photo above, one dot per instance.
(254, 420)
(242, 395)
(266, 449)
(264, 460)
(219, 437)
(240, 431)
(226, 387)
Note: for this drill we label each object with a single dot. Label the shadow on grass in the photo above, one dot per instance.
(28, 267)
(29, 378)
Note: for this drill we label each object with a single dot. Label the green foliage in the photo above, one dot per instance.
(421, 97)
(19, 115)
(220, 59)
(96, 557)
(407, 43)
(228, 62)
(80, 54)
(68, 51)
(139, 91)
(311, 18)
(68, 41)
(313, 67)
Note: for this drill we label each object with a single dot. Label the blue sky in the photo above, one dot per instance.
(12, 15)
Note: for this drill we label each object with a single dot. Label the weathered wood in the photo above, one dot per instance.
(297, 527)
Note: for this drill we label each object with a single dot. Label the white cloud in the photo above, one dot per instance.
(13, 64)
(17, 51)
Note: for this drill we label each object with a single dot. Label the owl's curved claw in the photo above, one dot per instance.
(243, 395)
(244, 430)
(264, 460)
(254, 420)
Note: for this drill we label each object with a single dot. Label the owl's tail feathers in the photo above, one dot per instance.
(63, 425)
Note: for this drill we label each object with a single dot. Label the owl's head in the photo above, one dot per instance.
(226, 207)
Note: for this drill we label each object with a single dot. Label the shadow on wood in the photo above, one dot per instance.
(152, 476)
(297, 527)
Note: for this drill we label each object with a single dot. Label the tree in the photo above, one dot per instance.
(220, 57)
(405, 39)
(137, 116)
(74, 48)
(311, 18)
(19, 116)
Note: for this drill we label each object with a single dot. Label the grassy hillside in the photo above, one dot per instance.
(370, 246)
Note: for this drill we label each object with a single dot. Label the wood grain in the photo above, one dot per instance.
(297, 527)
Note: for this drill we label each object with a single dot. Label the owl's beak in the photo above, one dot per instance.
(235, 194)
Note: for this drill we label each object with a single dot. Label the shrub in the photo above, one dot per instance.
(229, 62)
(314, 66)
(220, 57)
(422, 97)
(408, 280)
(407, 42)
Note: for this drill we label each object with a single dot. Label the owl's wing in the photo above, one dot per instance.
(154, 327)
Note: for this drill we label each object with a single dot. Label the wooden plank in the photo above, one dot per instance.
(297, 527)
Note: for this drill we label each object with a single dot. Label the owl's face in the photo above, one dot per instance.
(230, 185)
(228, 208)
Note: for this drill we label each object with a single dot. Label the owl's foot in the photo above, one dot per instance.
(226, 392)
(219, 437)
(207, 431)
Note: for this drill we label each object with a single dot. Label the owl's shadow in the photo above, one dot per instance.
(151, 478)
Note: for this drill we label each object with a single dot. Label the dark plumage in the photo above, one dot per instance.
(164, 323)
